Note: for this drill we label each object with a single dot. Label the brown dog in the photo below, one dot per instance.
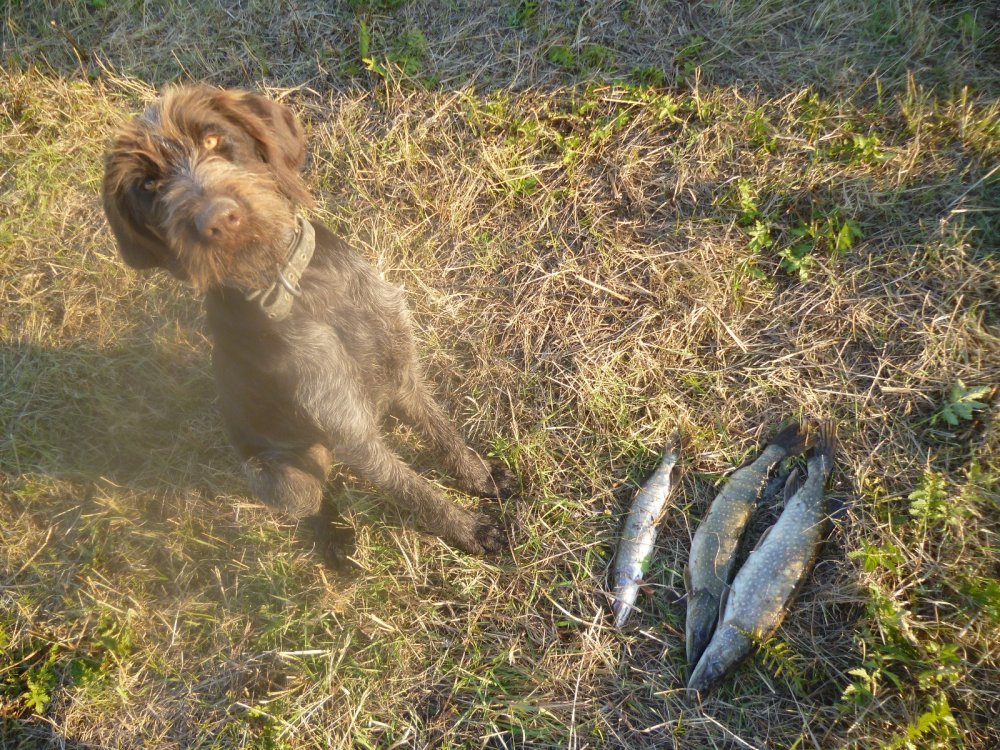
(312, 348)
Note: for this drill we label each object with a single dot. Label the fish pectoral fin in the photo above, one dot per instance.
(645, 588)
(722, 604)
(763, 536)
(687, 580)
(792, 484)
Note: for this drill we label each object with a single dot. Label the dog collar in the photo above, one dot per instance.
(276, 301)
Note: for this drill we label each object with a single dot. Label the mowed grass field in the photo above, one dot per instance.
(611, 220)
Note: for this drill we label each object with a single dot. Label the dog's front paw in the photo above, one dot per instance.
(502, 482)
(478, 535)
(332, 541)
(489, 535)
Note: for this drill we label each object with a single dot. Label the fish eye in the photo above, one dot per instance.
(209, 142)
(150, 186)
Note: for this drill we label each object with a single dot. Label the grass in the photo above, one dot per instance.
(610, 221)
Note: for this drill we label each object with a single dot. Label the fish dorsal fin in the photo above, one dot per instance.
(763, 536)
(792, 484)
(722, 604)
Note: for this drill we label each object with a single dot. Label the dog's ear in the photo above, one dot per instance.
(278, 134)
(138, 246)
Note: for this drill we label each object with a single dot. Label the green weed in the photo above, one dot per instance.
(561, 55)
(961, 404)
(523, 14)
(780, 659)
(825, 233)
(930, 503)
(934, 729)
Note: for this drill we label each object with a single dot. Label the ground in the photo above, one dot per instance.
(611, 220)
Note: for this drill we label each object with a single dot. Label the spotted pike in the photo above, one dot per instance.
(639, 533)
(713, 549)
(756, 603)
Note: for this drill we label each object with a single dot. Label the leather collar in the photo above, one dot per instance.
(276, 300)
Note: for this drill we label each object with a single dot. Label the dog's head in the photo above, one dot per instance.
(205, 184)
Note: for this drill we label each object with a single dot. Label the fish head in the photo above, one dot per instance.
(728, 648)
(702, 616)
(623, 601)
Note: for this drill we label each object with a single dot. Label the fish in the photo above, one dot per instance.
(639, 532)
(765, 586)
(712, 557)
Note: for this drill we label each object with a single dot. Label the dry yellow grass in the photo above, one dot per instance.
(800, 218)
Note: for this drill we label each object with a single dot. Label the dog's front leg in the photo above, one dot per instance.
(468, 530)
(414, 405)
(331, 391)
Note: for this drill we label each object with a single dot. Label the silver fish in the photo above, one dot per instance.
(713, 549)
(756, 603)
(639, 533)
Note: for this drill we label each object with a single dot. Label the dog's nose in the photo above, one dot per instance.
(218, 218)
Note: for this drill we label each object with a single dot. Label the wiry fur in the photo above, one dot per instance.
(299, 392)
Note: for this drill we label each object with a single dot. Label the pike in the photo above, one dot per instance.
(756, 603)
(639, 533)
(713, 549)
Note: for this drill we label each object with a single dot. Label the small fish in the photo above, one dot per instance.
(756, 603)
(639, 533)
(713, 549)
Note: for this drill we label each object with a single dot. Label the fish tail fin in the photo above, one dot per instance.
(674, 445)
(826, 446)
(793, 439)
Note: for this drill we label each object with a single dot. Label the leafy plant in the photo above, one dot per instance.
(41, 682)
(930, 731)
(746, 199)
(863, 149)
(961, 404)
(607, 127)
(779, 658)
(561, 55)
(825, 232)
(686, 58)
(761, 131)
(886, 556)
(864, 686)
(649, 76)
(523, 14)
(408, 52)
(798, 258)
(929, 502)
(760, 237)
(597, 56)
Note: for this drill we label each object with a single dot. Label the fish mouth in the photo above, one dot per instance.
(696, 647)
(622, 604)
(702, 616)
(706, 674)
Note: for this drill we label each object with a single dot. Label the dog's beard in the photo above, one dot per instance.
(247, 257)
(249, 265)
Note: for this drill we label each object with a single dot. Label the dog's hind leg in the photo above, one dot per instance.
(415, 406)
(289, 481)
(292, 482)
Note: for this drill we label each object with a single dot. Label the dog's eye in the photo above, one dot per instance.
(209, 142)
(150, 186)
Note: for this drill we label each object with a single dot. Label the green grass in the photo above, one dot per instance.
(610, 221)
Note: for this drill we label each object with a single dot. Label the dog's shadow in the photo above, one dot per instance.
(140, 416)
(139, 413)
